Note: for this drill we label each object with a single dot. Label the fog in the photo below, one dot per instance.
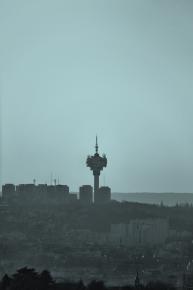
(119, 69)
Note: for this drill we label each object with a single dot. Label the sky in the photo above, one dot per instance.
(123, 70)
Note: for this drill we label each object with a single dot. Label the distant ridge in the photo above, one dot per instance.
(169, 199)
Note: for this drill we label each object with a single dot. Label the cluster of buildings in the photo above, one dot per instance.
(45, 192)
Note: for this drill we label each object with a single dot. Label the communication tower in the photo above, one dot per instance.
(96, 164)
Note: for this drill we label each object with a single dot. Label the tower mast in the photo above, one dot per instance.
(96, 164)
(96, 146)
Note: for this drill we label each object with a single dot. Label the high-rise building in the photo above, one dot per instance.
(103, 195)
(96, 164)
(86, 194)
(58, 191)
(25, 192)
(63, 189)
(8, 191)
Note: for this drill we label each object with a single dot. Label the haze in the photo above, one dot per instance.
(119, 69)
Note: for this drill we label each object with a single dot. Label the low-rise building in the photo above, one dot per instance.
(140, 232)
(86, 194)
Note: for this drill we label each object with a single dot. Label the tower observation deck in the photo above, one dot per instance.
(96, 164)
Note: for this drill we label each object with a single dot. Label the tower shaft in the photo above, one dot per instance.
(96, 183)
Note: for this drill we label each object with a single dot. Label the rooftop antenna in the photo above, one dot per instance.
(96, 146)
(51, 178)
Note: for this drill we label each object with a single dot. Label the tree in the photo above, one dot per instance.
(46, 280)
(5, 282)
(25, 279)
(80, 285)
(158, 285)
(96, 285)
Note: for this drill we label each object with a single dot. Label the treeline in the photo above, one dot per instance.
(28, 279)
(93, 217)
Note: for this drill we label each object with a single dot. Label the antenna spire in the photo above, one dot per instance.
(96, 146)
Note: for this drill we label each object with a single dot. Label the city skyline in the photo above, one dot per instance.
(121, 69)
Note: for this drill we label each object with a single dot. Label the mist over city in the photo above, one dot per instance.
(96, 159)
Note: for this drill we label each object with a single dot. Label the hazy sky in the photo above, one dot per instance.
(122, 69)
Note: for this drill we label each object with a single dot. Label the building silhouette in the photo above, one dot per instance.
(103, 195)
(8, 191)
(86, 194)
(41, 192)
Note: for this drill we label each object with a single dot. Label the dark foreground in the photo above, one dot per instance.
(28, 279)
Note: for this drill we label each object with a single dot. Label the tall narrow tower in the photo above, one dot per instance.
(96, 164)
